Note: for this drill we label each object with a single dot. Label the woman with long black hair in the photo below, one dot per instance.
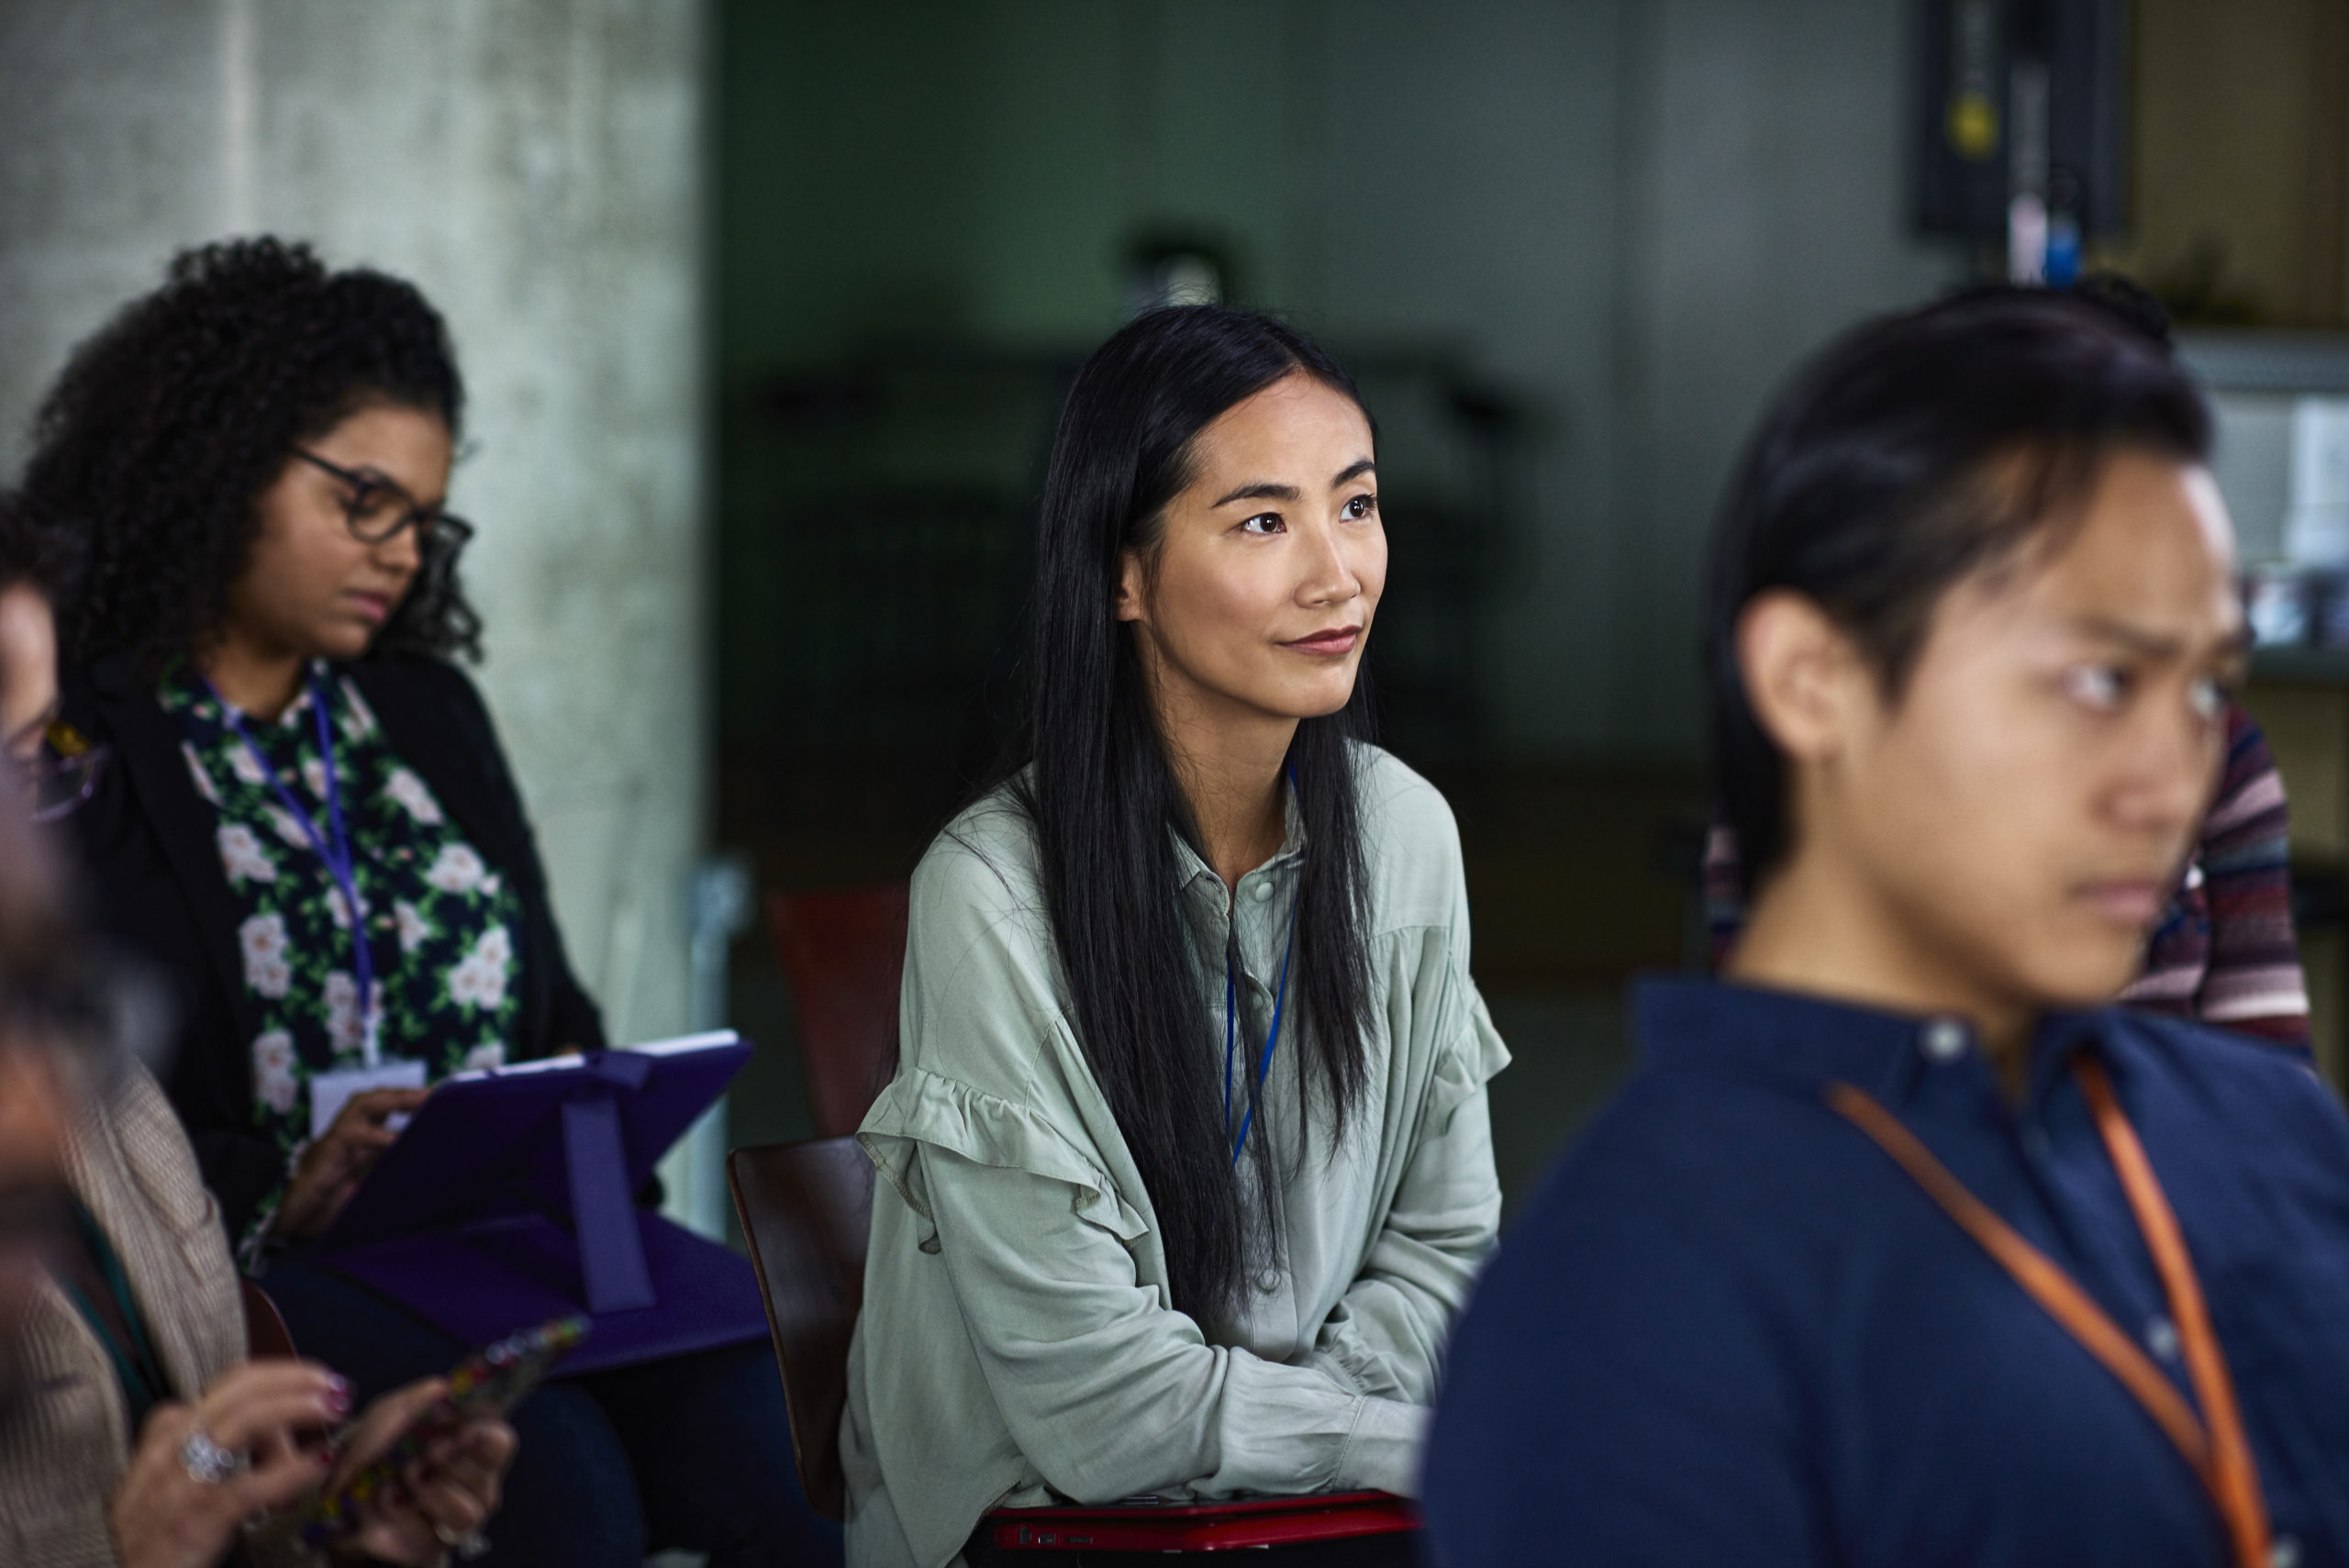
(1187, 1159)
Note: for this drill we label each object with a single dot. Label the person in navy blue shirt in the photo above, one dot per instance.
(1899, 1248)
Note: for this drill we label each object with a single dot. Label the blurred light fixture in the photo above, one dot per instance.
(1166, 273)
(2022, 131)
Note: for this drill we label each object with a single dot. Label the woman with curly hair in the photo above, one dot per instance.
(257, 459)
(114, 1276)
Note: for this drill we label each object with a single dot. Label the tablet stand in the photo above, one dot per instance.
(611, 1249)
(511, 1199)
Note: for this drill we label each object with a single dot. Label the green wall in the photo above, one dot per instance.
(1628, 217)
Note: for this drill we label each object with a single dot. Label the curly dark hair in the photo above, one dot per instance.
(168, 423)
(39, 550)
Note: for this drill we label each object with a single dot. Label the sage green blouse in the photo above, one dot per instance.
(1018, 1345)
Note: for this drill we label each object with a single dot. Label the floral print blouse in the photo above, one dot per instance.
(441, 927)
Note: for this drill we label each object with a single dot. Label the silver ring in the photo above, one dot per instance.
(206, 1463)
(469, 1545)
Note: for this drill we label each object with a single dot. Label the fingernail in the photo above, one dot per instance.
(339, 1401)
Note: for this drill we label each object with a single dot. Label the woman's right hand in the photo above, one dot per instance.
(332, 1167)
(162, 1516)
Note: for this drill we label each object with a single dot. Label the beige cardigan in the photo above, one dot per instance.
(64, 1445)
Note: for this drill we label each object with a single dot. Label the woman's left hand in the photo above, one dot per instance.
(440, 1499)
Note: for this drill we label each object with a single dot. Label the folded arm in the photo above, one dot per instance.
(1389, 1330)
(1111, 1395)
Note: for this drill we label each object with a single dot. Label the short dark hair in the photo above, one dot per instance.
(167, 425)
(1879, 479)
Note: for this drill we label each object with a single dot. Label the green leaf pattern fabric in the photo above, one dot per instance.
(440, 922)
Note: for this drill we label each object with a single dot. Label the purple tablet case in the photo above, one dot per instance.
(510, 1199)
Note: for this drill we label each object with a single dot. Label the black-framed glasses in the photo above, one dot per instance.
(376, 509)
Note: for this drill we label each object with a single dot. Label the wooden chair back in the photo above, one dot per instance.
(842, 951)
(806, 1211)
(266, 1336)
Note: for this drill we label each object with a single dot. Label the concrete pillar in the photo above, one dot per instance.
(535, 166)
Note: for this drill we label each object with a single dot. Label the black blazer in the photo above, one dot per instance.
(147, 838)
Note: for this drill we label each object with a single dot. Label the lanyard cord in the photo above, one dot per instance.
(339, 861)
(2234, 1476)
(2219, 1452)
(1232, 1029)
(135, 1365)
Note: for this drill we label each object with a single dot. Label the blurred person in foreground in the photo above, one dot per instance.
(309, 824)
(1902, 1248)
(2224, 950)
(132, 1428)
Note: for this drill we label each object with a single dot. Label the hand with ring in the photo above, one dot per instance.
(200, 1471)
(467, 1547)
(444, 1495)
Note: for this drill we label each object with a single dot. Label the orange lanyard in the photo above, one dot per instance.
(2218, 1453)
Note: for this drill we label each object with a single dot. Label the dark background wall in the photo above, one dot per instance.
(1569, 246)
(1615, 222)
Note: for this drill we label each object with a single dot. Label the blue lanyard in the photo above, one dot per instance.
(336, 852)
(1232, 1029)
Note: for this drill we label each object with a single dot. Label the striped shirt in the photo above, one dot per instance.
(2225, 952)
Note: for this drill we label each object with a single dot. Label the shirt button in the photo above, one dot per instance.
(1944, 1039)
(2285, 1553)
(2161, 1337)
(1262, 891)
(1268, 1281)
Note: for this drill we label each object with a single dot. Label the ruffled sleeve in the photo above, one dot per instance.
(921, 1107)
(1469, 1053)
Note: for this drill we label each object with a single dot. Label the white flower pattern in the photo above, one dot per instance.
(441, 922)
(342, 1013)
(196, 772)
(358, 718)
(457, 869)
(262, 940)
(241, 855)
(479, 980)
(273, 1064)
(410, 792)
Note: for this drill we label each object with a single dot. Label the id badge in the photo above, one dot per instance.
(329, 1091)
